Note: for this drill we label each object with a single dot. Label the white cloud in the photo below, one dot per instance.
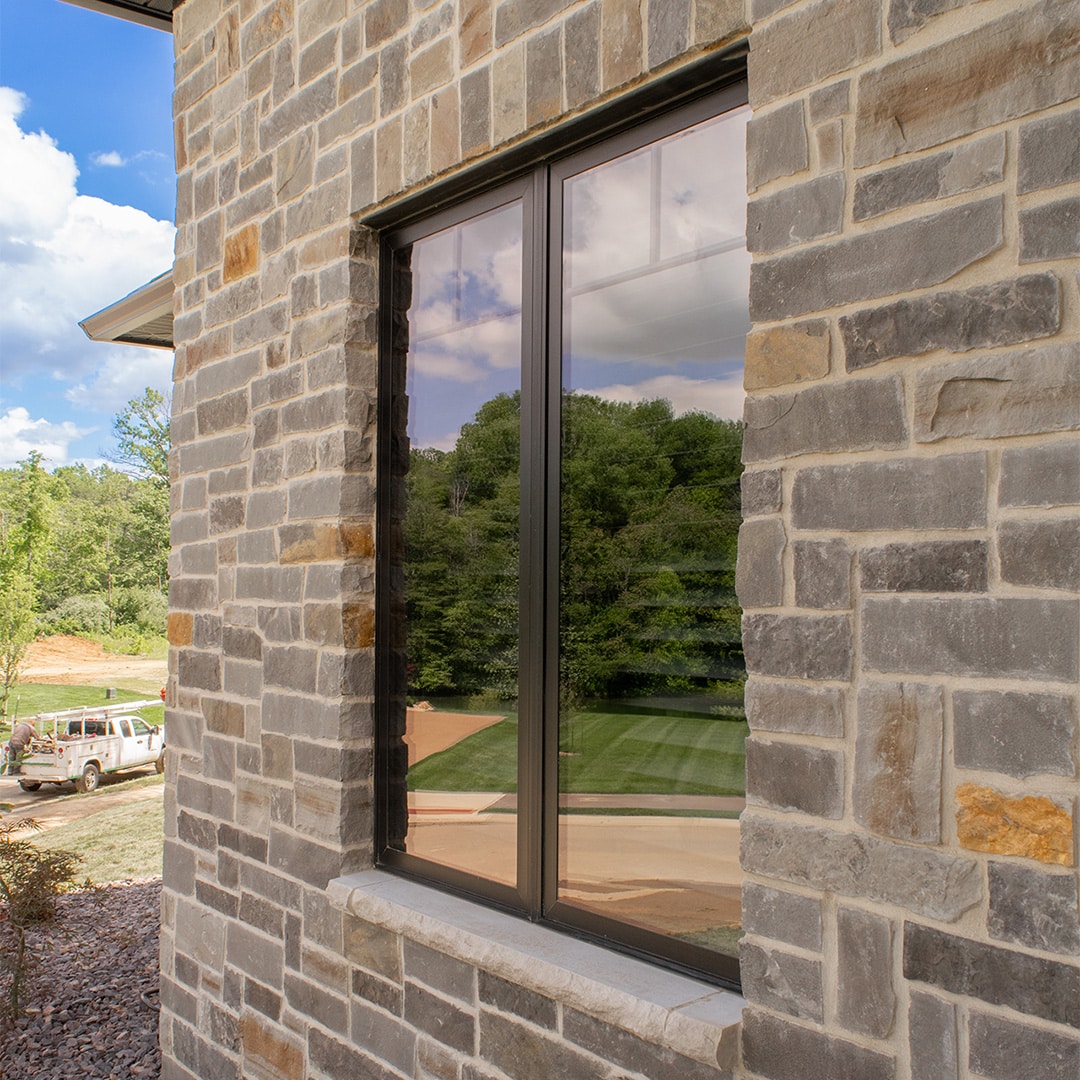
(19, 435)
(721, 397)
(63, 256)
(122, 374)
(110, 159)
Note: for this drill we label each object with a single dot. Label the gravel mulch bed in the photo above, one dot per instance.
(91, 1004)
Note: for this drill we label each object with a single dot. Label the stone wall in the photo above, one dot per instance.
(909, 562)
(910, 559)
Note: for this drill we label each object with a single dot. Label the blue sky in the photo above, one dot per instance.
(87, 189)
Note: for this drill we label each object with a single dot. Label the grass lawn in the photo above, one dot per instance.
(603, 753)
(34, 698)
(118, 843)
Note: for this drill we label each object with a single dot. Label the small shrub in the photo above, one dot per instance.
(85, 615)
(30, 881)
(146, 610)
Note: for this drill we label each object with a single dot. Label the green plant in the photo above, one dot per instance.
(78, 615)
(30, 881)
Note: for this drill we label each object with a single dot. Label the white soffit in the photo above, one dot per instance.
(144, 317)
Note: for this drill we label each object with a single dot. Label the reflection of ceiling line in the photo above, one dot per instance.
(466, 324)
(736, 243)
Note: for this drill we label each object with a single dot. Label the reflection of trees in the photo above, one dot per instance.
(649, 522)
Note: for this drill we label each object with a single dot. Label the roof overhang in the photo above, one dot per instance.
(155, 13)
(144, 317)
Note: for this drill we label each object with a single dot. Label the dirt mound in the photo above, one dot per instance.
(64, 649)
(66, 659)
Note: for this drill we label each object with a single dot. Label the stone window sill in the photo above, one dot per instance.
(662, 1007)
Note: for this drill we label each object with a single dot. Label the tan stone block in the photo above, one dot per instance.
(1034, 827)
(508, 94)
(432, 68)
(795, 353)
(309, 543)
(324, 248)
(388, 158)
(267, 1054)
(830, 146)
(357, 540)
(623, 57)
(719, 20)
(180, 627)
(445, 130)
(227, 34)
(474, 30)
(241, 253)
(359, 626)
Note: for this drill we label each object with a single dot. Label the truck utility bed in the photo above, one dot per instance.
(79, 745)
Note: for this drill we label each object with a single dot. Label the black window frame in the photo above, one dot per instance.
(535, 179)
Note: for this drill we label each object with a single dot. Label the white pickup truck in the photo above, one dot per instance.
(84, 743)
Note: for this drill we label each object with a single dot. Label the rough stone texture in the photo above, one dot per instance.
(1021, 393)
(759, 577)
(1051, 231)
(781, 981)
(1011, 637)
(933, 1038)
(1034, 826)
(814, 42)
(866, 1001)
(1044, 554)
(794, 708)
(822, 574)
(1005, 313)
(796, 214)
(1025, 61)
(785, 916)
(898, 747)
(761, 491)
(968, 167)
(1041, 475)
(1033, 908)
(783, 1051)
(859, 415)
(1049, 152)
(807, 779)
(798, 352)
(930, 566)
(776, 145)
(798, 647)
(926, 251)
(913, 493)
(920, 879)
(905, 17)
(997, 976)
(1002, 1049)
(1014, 733)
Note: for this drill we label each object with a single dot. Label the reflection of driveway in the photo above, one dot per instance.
(671, 874)
(427, 731)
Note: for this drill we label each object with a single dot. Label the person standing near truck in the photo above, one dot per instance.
(21, 735)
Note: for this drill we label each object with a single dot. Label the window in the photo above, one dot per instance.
(560, 668)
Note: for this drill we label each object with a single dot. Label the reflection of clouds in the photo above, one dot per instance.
(721, 397)
(680, 195)
(696, 311)
(469, 354)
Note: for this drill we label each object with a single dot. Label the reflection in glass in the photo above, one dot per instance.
(650, 663)
(457, 305)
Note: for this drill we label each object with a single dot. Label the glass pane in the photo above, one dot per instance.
(457, 308)
(651, 670)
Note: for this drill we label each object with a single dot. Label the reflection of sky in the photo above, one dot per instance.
(464, 324)
(656, 281)
(657, 272)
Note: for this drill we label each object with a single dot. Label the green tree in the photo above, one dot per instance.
(142, 436)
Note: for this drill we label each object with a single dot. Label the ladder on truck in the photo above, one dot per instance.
(42, 720)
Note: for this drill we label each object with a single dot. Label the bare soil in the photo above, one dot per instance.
(71, 660)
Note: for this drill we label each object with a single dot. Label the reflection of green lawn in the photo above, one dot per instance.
(604, 753)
